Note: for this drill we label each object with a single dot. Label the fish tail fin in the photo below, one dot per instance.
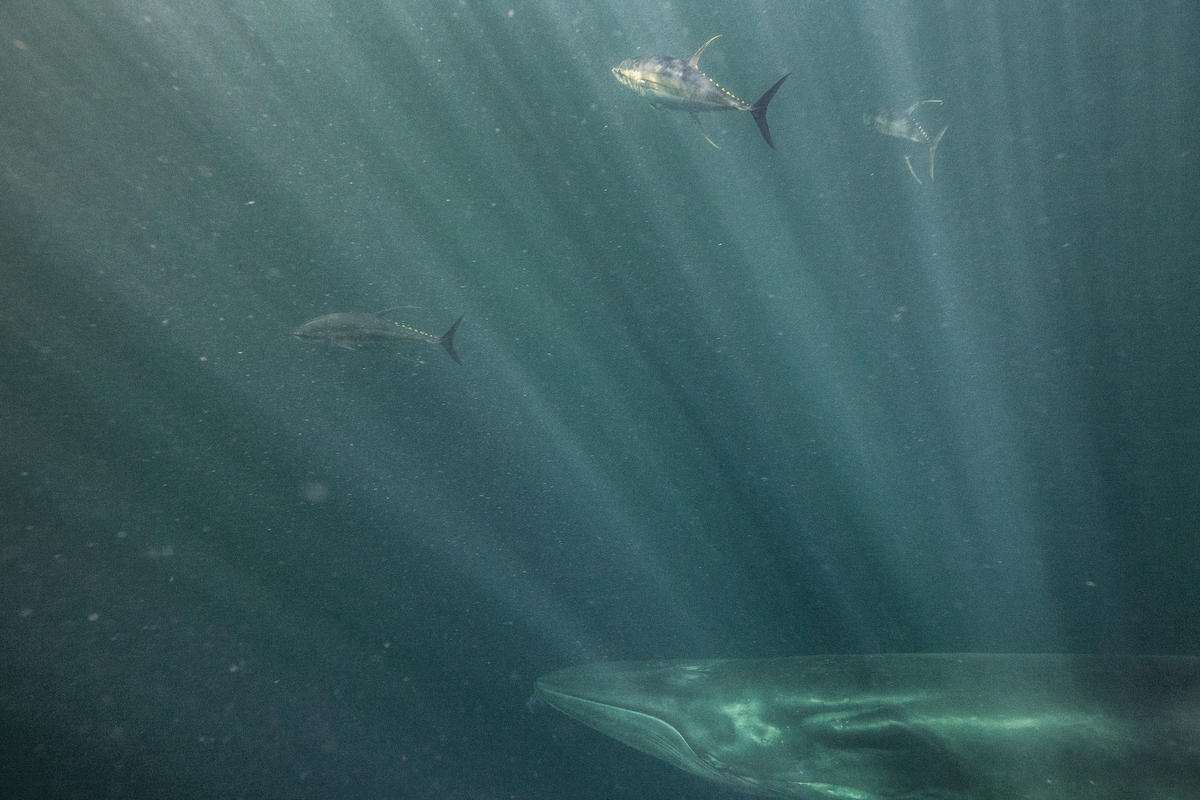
(759, 109)
(447, 340)
(933, 149)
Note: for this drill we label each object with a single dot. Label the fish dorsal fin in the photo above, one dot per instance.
(694, 61)
(383, 314)
(918, 104)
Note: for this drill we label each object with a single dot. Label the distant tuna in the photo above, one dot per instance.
(903, 124)
(675, 83)
(349, 329)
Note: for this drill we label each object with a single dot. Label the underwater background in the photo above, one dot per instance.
(734, 402)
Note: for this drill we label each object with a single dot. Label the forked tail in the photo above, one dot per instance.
(933, 149)
(447, 340)
(759, 109)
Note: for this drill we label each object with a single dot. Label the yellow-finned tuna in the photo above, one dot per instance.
(903, 124)
(674, 83)
(348, 329)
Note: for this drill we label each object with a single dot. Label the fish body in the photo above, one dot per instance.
(349, 329)
(903, 124)
(906, 727)
(897, 123)
(671, 82)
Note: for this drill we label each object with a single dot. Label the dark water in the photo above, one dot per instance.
(736, 402)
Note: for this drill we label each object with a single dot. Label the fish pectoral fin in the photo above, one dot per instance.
(341, 342)
(696, 118)
(650, 86)
(695, 59)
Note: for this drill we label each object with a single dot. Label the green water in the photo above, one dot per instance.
(714, 403)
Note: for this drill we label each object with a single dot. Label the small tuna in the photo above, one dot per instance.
(348, 329)
(903, 124)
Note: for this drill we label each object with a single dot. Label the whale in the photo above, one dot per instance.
(929, 726)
